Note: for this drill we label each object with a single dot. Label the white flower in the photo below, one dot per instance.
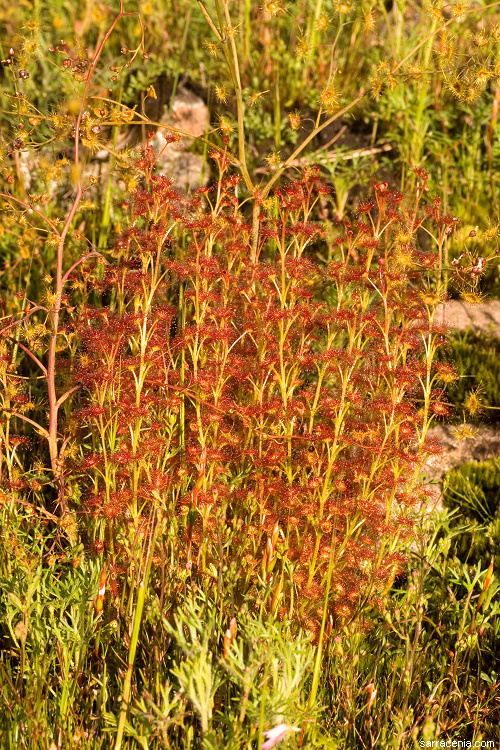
(275, 735)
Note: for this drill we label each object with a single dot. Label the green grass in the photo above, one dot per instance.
(476, 359)
(214, 408)
(473, 492)
(188, 693)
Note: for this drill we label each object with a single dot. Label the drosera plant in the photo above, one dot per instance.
(306, 394)
(473, 391)
(84, 126)
(57, 444)
(281, 408)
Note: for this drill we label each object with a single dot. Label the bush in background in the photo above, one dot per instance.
(473, 492)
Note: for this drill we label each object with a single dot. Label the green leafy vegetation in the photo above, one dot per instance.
(476, 391)
(473, 491)
(216, 401)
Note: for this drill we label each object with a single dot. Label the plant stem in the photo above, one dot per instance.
(143, 585)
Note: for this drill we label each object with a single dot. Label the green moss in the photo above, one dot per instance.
(474, 490)
(477, 360)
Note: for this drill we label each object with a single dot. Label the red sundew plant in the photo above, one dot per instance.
(271, 409)
(274, 413)
(222, 410)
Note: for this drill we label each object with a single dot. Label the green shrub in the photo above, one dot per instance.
(474, 490)
(477, 361)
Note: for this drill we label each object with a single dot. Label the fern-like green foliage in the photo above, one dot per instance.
(263, 680)
(477, 360)
(474, 490)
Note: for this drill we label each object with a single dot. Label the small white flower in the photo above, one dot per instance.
(275, 735)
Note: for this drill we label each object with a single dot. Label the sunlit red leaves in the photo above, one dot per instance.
(245, 370)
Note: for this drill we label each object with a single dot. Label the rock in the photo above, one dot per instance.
(189, 115)
(484, 317)
(484, 444)
(187, 170)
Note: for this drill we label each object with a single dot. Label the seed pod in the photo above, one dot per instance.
(275, 535)
(487, 581)
(229, 636)
(277, 595)
(372, 694)
(295, 120)
(102, 590)
(264, 565)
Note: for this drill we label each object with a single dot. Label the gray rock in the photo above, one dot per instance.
(484, 317)
(485, 443)
(189, 115)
